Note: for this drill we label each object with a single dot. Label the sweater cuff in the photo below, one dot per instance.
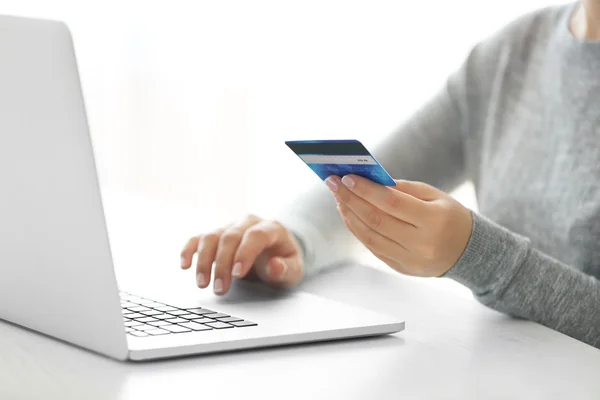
(319, 250)
(491, 259)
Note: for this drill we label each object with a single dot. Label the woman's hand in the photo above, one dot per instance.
(414, 228)
(252, 246)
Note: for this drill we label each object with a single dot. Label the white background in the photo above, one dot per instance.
(190, 101)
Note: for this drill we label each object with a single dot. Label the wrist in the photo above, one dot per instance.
(492, 255)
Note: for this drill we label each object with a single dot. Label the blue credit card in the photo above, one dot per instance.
(340, 157)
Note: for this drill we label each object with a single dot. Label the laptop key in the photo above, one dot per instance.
(159, 323)
(176, 328)
(189, 316)
(129, 330)
(138, 308)
(219, 325)
(144, 327)
(196, 327)
(126, 304)
(133, 315)
(176, 320)
(216, 315)
(200, 311)
(204, 320)
(157, 331)
(163, 316)
(146, 319)
(230, 319)
(178, 312)
(138, 333)
(150, 312)
(165, 308)
(243, 323)
(133, 323)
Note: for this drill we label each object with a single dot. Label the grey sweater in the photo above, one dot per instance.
(520, 120)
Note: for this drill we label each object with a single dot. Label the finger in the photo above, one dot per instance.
(396, 265)
(207, 251)
(264, 235)
(373, 240)
(394, 202)
(228, 245)
(419, 190)
(389, 226)
(187, 254)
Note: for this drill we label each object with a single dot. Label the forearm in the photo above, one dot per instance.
(507, 274)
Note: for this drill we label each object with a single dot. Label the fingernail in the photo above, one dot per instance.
(218, 287)
(183, 263)
(201, 279)
(237, 269)
(331, 184)
(348, 181)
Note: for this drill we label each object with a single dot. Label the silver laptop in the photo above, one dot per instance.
(56, 269)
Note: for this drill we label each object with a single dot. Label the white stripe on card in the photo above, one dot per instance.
(327, 159)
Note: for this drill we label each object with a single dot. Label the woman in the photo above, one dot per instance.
(519, 119)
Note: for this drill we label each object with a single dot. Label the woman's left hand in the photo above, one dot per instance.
(413, 227)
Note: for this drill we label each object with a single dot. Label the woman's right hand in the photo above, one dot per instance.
(253, 246)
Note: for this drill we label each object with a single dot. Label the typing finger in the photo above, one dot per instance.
(187, 254)
(228, 245)
(207, 251)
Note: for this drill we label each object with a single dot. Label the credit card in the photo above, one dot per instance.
(340, 157)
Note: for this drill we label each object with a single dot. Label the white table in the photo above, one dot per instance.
(452, 348)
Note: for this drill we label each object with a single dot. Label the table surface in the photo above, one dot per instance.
(452, 348)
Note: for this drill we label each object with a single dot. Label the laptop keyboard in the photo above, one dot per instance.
(146, 318)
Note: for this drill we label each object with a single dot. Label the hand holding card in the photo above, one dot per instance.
(340, 158)
(413, 227)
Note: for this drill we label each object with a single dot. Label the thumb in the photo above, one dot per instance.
(419, 190)
(282, 271)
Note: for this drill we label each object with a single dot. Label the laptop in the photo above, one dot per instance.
(56, 271)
